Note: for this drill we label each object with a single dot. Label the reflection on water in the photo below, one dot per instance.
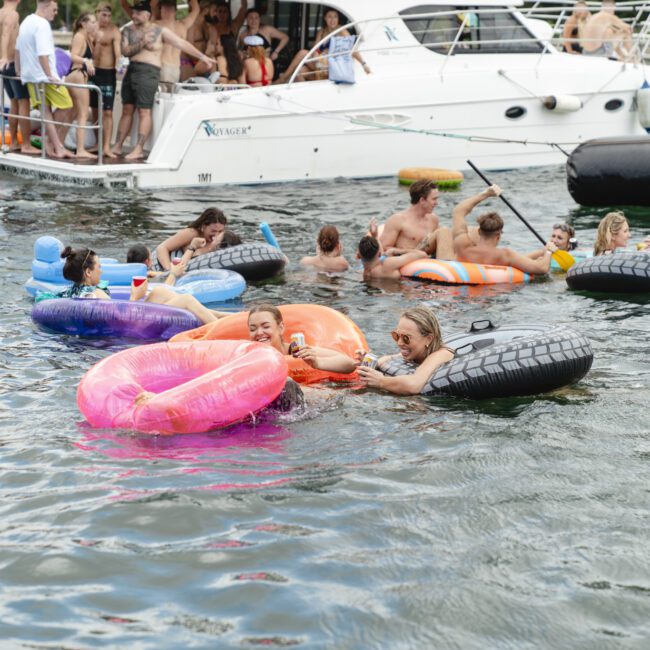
(367, 521)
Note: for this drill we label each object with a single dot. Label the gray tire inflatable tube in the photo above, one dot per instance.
(256, 261)
(618, 272)
(505, 361)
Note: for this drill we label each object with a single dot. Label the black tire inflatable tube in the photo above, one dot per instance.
(256, 261)
(617, 273)
(505, 361)
(610, 171)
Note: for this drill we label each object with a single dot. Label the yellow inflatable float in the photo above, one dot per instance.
(446, 179)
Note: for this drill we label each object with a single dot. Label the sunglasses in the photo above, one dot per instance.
(565, 228)
(397, 336)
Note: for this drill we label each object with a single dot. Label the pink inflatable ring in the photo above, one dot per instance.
(198, 386)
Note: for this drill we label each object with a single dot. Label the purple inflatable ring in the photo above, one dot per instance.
(105, 318)
(63, 62)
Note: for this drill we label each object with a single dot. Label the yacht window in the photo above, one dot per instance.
(488, 31)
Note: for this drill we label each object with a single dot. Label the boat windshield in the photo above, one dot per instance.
(488, 31)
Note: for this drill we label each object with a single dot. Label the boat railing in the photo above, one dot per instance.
(450, 40)
(40, 89)
(556, 12)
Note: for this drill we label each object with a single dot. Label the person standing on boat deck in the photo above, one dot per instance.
(220, 22)
(604, 34)
(266, 32)
(408, 229)
(486, 251)
(16, 90)
(82, 72)
(258, 67)
(36, 63)
(574, 24)
(106, 55)
(380, 265)
(318, 69)
(165, 10)
(142, 42)
(210, 226)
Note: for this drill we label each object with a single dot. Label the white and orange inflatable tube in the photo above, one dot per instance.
(199, 386)
(322, 327)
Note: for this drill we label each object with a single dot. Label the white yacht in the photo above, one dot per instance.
(449, 82)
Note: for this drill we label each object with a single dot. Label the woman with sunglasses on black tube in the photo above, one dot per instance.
(419, 341)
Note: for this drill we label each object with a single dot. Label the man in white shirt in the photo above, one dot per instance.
(35, 63)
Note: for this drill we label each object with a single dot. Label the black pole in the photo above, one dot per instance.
(503, 198)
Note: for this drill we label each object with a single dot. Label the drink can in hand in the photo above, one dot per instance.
(370, 360)
(296, 342)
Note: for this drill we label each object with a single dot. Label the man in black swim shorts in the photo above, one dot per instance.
(142, 42)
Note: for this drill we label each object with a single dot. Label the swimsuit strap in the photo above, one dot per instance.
(265, 81)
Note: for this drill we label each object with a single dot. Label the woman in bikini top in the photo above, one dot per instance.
(266, 32)
(258, 67)
(420, 342)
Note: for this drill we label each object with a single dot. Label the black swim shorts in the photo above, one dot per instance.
(140, 84)
(14, 87)
(104, 79)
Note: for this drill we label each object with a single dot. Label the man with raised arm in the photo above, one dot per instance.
(105, 57)
(490, 228)
(16, 90)
(409, 228)
(142, 42)
(604, 34)
(36, 63)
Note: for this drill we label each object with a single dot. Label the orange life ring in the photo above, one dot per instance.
(322, 327)
(444, 178)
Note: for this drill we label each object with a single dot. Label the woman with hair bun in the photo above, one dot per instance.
(419, 341)
(83, 268)
(613, 232)
(328, 252)
(209, 227)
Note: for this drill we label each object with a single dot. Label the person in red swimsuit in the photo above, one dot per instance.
(258, 67)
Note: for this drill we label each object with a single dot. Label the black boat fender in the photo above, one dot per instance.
(619, 272)
(505, 361)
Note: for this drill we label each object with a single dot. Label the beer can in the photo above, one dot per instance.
(296, 342)
(370, 360)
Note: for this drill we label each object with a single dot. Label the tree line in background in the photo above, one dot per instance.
(70, 10)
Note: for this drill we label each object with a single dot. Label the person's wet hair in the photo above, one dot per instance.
(207, 217)
(368, 248)
(427, 325)
(76, 262)
(272, 309)
(490, 223)
(137, 254)
(609, 226)
(328, 238)
(420, 190)
(230, 238)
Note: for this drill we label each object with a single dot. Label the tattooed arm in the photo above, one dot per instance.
(133, 41)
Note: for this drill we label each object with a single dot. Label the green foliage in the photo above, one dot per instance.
(69, 10)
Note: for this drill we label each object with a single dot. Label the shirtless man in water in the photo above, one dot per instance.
(408, 229)
(142, 42)
(486, 251)
(105, 57)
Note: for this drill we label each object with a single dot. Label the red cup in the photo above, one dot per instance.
(138, 280)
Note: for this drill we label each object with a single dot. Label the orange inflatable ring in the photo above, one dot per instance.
(322, 327)
(444, 178)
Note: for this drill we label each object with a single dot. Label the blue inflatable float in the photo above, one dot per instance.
(206, 285)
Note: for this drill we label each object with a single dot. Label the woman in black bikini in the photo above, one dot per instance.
(572, 27)
(81, 53)
(266, 32)
(419, 340)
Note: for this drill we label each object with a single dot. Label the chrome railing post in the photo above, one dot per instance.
(40, 90)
